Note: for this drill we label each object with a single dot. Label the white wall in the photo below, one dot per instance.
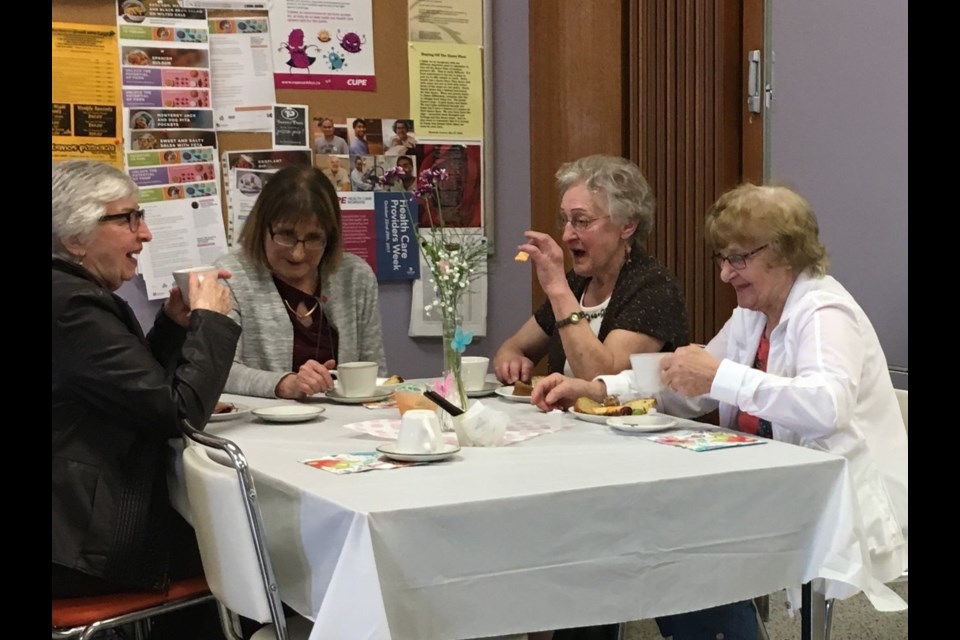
(838, 134)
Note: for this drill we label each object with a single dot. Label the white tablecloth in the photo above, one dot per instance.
(583, 526)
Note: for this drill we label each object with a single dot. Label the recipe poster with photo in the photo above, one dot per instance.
(322, 45)
(178, 192)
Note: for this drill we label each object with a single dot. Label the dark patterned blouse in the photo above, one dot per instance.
(315, 342)
(646, 299)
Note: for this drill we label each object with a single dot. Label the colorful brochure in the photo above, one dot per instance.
(706, 440)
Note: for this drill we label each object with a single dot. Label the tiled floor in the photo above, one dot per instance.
(854, 618)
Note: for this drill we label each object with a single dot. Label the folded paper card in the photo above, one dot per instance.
(706, 440)
(481, 426)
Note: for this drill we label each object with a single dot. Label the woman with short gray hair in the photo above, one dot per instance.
(118, 396)
(617, 299)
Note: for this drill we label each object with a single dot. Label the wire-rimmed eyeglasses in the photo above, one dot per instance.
(579, 223)
(288, 239)
(133, 218)
(737, 260)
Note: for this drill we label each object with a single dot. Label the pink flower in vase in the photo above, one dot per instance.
(444, 386)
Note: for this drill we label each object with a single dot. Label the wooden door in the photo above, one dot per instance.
(663, 83)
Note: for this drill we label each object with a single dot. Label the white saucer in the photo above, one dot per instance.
(588, 417)
(487, 389)
(648, 423)
(288, 413)
(390, 450)
(238, 410)
(380, 393)
(507, 394)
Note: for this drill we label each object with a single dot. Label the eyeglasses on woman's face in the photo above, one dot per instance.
(737, 260)
(578, 222)
(132, 218)
(287, 238)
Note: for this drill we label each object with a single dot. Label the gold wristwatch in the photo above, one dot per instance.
(573, 318)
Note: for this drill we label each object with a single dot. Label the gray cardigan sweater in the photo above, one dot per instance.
(265, 351)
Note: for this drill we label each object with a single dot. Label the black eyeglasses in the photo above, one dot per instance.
(288, 239)
(133, 218)
(737, 260)
(579, 223)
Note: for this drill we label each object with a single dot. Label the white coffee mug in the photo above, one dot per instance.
(474, 372)
(182, 278)
(357, 379)
(646, 372)
(419, 432)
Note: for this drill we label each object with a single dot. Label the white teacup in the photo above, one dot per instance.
(646, 372)
(182, 278)
(357, 379)
(474, 372)
(419, 432)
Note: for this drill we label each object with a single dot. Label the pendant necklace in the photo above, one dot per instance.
(302, 316)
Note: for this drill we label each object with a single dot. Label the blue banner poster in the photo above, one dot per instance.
(398, 255)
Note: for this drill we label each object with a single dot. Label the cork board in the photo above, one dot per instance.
(390, 100)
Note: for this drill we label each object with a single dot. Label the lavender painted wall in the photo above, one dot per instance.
(838, 134)
(509, 283)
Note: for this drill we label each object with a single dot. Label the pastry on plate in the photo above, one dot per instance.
(521, 388)
(611, 406)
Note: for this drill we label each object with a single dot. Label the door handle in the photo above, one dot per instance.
(754, 82)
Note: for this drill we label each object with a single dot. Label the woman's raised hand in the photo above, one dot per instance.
(210, 294)
(547, 258)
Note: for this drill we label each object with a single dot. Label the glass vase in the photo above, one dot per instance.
(456, 394)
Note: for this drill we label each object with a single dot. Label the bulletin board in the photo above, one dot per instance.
(391, 99)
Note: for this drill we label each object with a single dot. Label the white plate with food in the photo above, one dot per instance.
(228, 411)
(488, 388)
(390, 383)
(507, 394)
(588, 417)
(380, 393)
(288, 413)
(390, 450)
(649, 423)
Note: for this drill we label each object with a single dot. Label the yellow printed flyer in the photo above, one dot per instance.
(86, 93)
(446, 90)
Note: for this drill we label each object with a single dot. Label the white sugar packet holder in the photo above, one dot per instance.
(480, 426)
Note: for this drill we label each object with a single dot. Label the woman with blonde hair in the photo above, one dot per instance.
(799, 362)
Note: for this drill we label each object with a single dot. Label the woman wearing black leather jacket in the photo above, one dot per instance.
(119, 396)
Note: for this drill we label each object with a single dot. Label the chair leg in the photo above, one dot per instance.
(622, 631)
(763, 614)
(828, 618)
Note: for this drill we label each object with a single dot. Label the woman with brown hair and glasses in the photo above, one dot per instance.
(617, 299)
(304, 304)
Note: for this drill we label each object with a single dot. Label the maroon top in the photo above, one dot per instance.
(319, 340)
(749, 423)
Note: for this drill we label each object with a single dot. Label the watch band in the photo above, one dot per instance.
(573, 318)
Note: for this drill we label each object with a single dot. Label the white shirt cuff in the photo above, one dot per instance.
(619, 385)
(728, 381)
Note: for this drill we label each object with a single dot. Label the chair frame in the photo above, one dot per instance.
(255, 519)
(138, 618)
